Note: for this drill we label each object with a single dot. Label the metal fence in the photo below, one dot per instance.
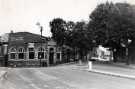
(26, 63)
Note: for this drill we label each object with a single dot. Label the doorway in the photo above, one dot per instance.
(51, 56)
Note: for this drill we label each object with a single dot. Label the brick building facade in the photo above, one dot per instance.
(28, 49)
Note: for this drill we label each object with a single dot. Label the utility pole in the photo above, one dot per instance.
(41, 30)
(127, 50)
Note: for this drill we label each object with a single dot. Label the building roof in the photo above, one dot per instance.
(26, 37)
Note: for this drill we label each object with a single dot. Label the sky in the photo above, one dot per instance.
(22, 15)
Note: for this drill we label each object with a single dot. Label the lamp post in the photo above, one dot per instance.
(127, 50)
(41, 30)
(91, 58)
(126, 45)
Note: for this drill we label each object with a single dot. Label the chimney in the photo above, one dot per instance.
(12, 31)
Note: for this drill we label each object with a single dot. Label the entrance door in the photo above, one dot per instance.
(51, 56)
(51, 59)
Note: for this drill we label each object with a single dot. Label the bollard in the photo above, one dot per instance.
(90, 65)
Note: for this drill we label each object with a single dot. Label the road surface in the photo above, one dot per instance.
(61, 77)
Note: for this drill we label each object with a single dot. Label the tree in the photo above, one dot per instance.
(58, 28)
(102, 22)
(80, 39)
(112, 22)
(127, 26)
(70, 25)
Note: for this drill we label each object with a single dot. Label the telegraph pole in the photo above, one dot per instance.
(41, 30)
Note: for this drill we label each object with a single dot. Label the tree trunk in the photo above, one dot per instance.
(80, 62)
(81, 57)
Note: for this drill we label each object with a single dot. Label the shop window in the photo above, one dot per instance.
(21, 53)
(0, 50)
(58, 56)
(51, 50)
(31, 53)
(12, 53)
(12, 56)
(41, 53)
(45, 55)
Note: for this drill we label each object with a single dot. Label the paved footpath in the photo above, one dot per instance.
(3, 72)
(115, 69)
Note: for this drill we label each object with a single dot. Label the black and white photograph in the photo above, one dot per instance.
(67, 44)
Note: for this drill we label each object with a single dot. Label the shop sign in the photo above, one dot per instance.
(31, 45)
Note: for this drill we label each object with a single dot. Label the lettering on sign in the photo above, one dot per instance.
(31, 45)
(17, 38)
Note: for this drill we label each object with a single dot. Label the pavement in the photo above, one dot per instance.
(112, 69)
(3, 72)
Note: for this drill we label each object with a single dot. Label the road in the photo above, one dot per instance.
(62, 77)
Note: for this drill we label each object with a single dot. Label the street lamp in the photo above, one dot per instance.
(91, 58)
(127, 50)
(126, 45)
(41, 30)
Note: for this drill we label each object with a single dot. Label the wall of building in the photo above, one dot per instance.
(27, 50)
(36, 61)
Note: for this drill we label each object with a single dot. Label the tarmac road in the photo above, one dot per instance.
(62, 77)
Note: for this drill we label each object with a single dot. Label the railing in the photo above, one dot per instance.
(2, 61)
(25, 63)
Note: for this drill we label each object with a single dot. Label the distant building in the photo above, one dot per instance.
(3, 50)
(4, 37)
(28, 49)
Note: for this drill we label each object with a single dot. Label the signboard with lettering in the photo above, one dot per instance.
(17, 38)
(31, 45)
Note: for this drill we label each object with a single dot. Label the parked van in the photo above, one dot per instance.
(101, 53)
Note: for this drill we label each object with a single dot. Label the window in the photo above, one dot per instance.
(51, 50)
(41, 53)
(31, 53)
(21, 53)
(12, 53)
(45, 55)
(58, 56)
(0, 50)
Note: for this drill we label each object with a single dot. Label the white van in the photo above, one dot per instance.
(101, 53)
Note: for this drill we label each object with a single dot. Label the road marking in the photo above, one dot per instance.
(2, 74)
(59, 87)
(44, 76)
(25, 79)
(9, 85)
(46, 86)
(34, 86)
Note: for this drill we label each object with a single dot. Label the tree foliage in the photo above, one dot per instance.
(80, 38)
(58, 28)
(68, 34)
(72, 34)
(112, 22)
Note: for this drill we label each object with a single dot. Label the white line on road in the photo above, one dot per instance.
(34, 86)
(46, 86)
(9, 85)
(60, 87)
(25, 79)
(44, 76)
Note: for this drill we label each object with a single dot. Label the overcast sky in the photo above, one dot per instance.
(22, 15)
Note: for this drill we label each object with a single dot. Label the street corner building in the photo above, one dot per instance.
(24, 49)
